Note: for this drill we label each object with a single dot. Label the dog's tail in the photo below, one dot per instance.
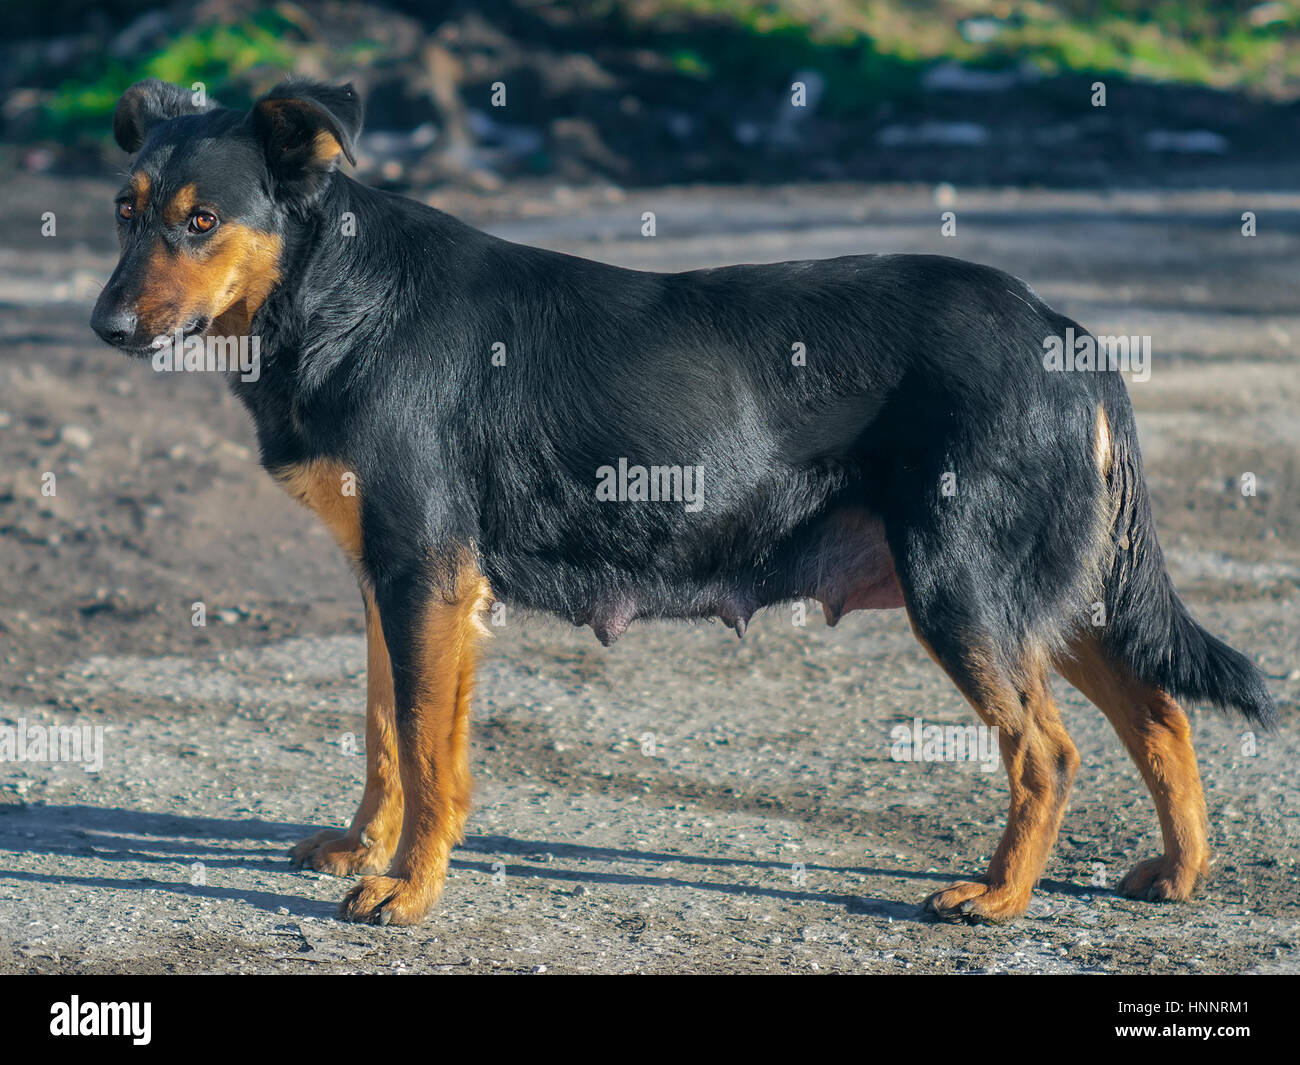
(1147, 627)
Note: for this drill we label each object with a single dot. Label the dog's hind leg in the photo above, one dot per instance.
(986, 580)
(1159, 738)
(368, 845)
(1040, 761)
(432, 638)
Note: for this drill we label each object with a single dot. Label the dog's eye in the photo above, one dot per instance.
(125, 210)
(202, 222)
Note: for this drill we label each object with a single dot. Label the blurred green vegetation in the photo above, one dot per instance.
(868, 51)
(215, 55)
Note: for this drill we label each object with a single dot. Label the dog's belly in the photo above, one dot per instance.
(852, 567)
(842, 560)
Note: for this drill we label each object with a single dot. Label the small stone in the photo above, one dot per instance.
(76, 436)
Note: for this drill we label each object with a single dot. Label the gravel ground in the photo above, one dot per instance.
(682, 801)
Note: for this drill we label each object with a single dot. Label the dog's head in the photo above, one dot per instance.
(203, 216)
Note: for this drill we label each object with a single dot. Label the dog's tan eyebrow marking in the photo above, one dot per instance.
(180, 206)
(139, 187)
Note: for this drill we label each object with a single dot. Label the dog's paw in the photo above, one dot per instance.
(387, 900)
(975, 902)
(1160, 880)
(340, 854)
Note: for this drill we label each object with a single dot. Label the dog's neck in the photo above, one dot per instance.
(331, 319)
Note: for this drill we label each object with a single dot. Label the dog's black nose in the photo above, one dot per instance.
(114, 326)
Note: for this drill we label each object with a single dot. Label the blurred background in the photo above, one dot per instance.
(647, 92)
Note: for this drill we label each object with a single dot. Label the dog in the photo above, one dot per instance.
(477, 421)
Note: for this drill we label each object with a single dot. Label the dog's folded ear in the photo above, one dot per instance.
(304, 127)
(144, 105)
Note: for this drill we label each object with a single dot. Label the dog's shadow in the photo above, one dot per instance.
(201, 844)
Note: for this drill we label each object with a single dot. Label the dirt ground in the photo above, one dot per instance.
(682, 801)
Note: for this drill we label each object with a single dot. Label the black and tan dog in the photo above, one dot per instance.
(875, 431)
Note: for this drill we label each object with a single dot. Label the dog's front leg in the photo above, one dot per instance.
(368, 845)
(432, 639)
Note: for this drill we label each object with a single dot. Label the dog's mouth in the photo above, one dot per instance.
(196, 326)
